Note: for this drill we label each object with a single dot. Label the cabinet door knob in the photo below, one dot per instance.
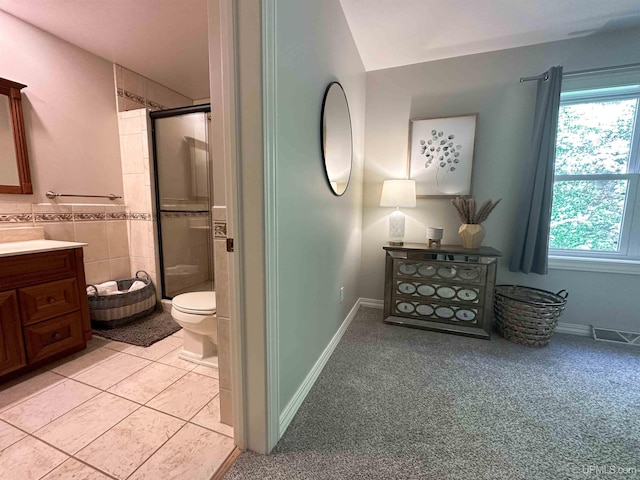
(51, 299)
(55, 335)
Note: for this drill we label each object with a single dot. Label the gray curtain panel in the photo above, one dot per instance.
(531, 243)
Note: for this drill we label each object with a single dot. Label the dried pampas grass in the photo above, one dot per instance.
(466, 208)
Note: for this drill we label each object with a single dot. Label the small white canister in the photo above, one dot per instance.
(434, 236)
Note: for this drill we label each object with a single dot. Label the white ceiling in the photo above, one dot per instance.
(390, 33)
(164, 40)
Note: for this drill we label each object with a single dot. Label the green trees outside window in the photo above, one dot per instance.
(595, 172)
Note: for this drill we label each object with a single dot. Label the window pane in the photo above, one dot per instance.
(587, 215)
(594, 137)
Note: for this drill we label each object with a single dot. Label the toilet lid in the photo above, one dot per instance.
(199, 303)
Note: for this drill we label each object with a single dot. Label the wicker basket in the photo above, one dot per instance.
(110, 311)
(528, 316)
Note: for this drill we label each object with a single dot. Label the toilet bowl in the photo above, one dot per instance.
(195, 312)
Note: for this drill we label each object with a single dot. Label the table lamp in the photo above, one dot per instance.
(397, 193)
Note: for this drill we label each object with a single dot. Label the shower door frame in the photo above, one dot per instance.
(175, 112)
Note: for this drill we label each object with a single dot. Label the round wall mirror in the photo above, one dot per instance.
(337, 144)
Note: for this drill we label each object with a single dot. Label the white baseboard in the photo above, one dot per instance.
(570, 328)
(294, 404)
(574, 329)
(371, 302)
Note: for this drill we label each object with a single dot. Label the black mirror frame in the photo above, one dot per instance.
(322, 138)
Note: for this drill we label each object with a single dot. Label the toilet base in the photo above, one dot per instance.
(198, 348)
(211, 361)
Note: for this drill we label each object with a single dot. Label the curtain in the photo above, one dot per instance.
(531, 244)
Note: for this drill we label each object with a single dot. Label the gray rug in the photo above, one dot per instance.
(143, 332)
(398, 403)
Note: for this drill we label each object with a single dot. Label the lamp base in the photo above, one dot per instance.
(396, 228)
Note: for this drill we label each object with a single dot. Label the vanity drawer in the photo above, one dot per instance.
(48, 300)
(53, 336)
(23, 270)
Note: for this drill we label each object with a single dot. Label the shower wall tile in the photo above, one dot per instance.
(131, 114)
(219, 213)
(132, 105)
(131, 125)
(132, 82)
(120, 268)
(103, 227)
(132, 150)
(95, 234)
(97, 272)
(60, 231)
(52, 213)
(16, 208)
(21, 234)
(136, 193)
(226, 415)
(118, 239)
(117, 69)
(139, 234)
(138, 188)
(224, 352)
(221, 274)
(139, 263)
(137, 92)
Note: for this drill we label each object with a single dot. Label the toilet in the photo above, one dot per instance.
(195, 312)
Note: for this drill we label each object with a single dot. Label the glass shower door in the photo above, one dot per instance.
(183, 199)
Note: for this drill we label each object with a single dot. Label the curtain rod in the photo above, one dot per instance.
(545, 75)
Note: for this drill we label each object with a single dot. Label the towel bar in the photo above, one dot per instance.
(51, 194)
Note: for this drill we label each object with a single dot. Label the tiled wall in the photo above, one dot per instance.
(137, 179)
(221, 275)
(135, 91)
(103, 227)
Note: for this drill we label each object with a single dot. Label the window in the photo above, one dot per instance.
(597, 167)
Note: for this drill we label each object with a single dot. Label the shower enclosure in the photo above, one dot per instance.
(183, 199)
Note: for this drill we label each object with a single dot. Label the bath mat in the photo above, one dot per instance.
(143, 332)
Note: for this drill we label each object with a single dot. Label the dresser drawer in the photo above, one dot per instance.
(53, 336)
(465, 273)
(23, 270)
(48, 300)
(470, 316)
(446, 292)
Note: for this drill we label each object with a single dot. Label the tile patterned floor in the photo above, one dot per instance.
(114, 411)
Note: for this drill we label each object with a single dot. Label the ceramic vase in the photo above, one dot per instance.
(471, 235)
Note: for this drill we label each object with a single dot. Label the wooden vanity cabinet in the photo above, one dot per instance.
(12, 356)
(44, 312)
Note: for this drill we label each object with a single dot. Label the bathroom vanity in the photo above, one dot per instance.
(447, 289)
(44, 313)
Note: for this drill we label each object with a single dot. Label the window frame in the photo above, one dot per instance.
(628, 253)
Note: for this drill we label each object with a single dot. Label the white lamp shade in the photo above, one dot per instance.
(398, 193)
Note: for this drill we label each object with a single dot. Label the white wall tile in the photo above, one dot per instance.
(95, 234)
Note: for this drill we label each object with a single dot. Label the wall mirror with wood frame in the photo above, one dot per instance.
(14, 161)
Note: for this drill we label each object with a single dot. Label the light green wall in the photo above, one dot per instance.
(488, 84)
(319, 234)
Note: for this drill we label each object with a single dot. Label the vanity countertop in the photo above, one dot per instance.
(35, 246)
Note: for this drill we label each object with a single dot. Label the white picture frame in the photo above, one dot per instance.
(440, 156)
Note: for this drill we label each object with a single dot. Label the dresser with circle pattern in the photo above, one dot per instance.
(448, 289)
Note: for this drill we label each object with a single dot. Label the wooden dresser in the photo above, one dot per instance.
(44, 313)
(448, 289)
